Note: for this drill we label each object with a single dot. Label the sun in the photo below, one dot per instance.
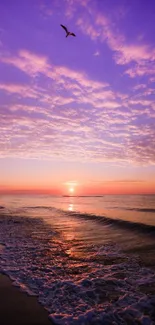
(71, 189)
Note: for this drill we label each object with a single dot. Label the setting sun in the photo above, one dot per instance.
(71, 190)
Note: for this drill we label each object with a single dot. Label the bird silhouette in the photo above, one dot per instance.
(67, 32)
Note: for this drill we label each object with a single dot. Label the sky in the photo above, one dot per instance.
(77, 114)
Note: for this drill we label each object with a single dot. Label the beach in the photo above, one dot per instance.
(18, 308)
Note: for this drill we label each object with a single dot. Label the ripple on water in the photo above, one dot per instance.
(104, 286)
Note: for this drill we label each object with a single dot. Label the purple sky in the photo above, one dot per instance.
(78, 109)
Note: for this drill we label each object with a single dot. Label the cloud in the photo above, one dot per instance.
(87, 28)
(46, 10)
(101, 28)
(74, 118)
(71, 183)
(142, 102)
(137, 53)
(75, 136)
(22, 90)
(118, 181)
(33, 65)
(72, 6)
(140, 86)
(97, 53)
(28, 62)
(77, 85)
(141, 69)
(152, 79)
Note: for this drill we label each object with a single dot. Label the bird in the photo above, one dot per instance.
(67, 32)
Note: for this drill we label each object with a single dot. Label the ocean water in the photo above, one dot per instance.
(89, 260)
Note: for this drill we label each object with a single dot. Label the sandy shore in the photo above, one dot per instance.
(18, 308)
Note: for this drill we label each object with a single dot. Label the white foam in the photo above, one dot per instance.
(75, 291)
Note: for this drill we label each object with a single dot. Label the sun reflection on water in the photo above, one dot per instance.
(71, 207)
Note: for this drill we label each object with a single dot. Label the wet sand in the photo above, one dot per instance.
(18, 308)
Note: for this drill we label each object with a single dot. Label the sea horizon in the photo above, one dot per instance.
(83, 244)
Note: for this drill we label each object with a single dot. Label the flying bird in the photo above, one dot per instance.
(67, 32)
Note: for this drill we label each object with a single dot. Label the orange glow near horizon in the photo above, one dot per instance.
(107, 187)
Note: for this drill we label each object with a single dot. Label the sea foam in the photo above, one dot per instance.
(103, 287)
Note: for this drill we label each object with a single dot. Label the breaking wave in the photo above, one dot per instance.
(139, 227)
(104, 287)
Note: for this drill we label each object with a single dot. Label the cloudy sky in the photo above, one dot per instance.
(77, 112)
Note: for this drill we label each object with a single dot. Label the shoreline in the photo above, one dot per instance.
(18, 308)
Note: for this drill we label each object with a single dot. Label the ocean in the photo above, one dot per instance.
(89, 260)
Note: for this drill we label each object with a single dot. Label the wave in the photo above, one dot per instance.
(102, 219)
(149, 210)
(137, 226)
(140, 227)
(152, 210)
(75, 292)
(39, 207)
